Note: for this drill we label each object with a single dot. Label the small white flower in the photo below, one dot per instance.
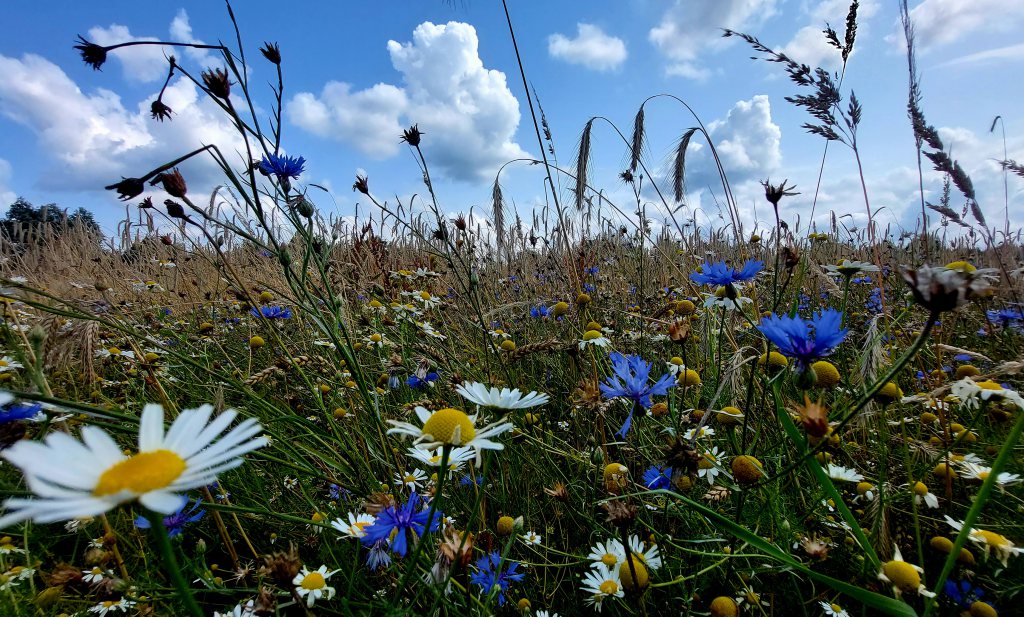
(411, 480)
(838, 472)
(96, 575)
(313, 585)
(456, 458)
(108, 607)
(531, 538)
(989, 540)
(504, 398)
(833, 610)
(601, 582)
(356, 525)
(240, 610)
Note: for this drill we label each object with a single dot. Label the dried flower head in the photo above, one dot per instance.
(412, 135)
(92, 54)
(941, 289)
(282, 567)
(217, 82)
(127, 188)
(361, 184)
(271, 52)
(160, 111)
(173, 182)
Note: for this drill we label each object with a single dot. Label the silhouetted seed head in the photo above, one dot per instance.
(362, 185)
(627, 176)
(173, 183)
(159, 111)
(271, 52)
(146, 203)
(217, 82)
(459, 222)
(174, 209)
(774, 194)
(412, 135)
(92, 54)
(127, 188)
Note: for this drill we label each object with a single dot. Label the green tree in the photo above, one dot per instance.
(24, 217)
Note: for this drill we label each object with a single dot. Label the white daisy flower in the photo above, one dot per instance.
(7, 546)
(74, 479)
(411, 480)
(838, 472)
(240, 610)
(450, 427)
(428, 329)
(974, 471)
(115, 352)
(600, 583)
(595, 338)
(356, 525)
(708, 466)
(925, 496)
(109, 607)
(504, 398)
(532, 538)
(700, 431)
(833, 610)
(989, 540)
(313, 585)
(96, 575)
(7, 363)
(850, 267)
(456, 458)
(729, 304)
(610, 553)
(903, 576)
(969, 391)
(651, 556)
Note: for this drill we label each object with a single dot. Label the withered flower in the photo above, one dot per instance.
(160, 111)
(620, 514)
(146, 203)
(173, 181)
(627, 177)
(271, 52)
(459, 222)
(774, 194)
(941, 289)
(813, 417)
(679, 331)
(92, 54)
(282, 567)
(362, 185)
(217, 82)
(412, 135)
(127, 188)
(559, 492)
(681, 455)
(175, 210)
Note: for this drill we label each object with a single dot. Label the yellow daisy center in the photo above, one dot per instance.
(3, 362)
(425, 295)
(142, 473)
(836, 608)
(609, 588)
(991, 538)
(450, 426)
(361, 525)
(902, 574)
(989, 385)
(590, 335)
(313, 580)
(609, 559)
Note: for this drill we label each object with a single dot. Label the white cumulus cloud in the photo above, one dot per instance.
(93, 138)
(688, 29)
(591, 48)
(940, 22)
(466, 112)
(809, 46)
(7, 196)
(747, 139)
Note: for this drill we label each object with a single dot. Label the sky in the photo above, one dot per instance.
(356, 74)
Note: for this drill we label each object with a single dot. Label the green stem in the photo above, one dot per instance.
(163, 544)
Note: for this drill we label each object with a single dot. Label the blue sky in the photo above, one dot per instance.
(356, 73)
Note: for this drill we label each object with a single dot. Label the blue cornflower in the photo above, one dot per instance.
(177, 520)
(539, 311)
(416, 383)
(805, 340)
(378, 556)
(491, 575)
(283, 166)
(589, 288)
(468, 480)
(272, 312)
(719, 273)
(592, 270)
(399, 520)
(19, 411)
(630, 380)
(963, 593)
(1008, 317)
(658, 477)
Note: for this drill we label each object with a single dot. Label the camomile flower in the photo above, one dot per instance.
(115, 352)
(903, 576)
(531, 538)
(504, 398)
(428, 329)
(923, 495)
(456, 458)
(838, 472)
(96, 575)
(708, 465)
(76, 479)
(356, 525)
(240, 610)
(698, 432)
(411, 479)
(990, 541)
(974, 471)
(650, 556)
(731, 304)
(110, 607)
(450, 427)
(609, 553)
(833, 610)
(595, 338)
(850, 267)
(8, 363)
(969, 391)
(601, 582)
(313, 585)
